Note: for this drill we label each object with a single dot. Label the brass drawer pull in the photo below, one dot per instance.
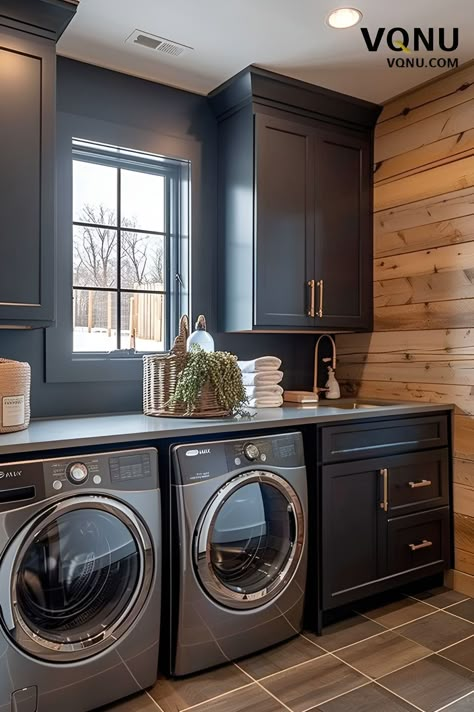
(420, 483)
(384, 503)
(424, 545)
(311, 285)
(321, 294)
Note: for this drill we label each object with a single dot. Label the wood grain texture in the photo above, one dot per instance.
(427, 100)
(424, 212)
(452, 122)
(457, 175)
(422, 348)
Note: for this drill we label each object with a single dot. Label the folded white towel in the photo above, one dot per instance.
(256, 391)
(269, 402)
(263, 363)
(262, 378)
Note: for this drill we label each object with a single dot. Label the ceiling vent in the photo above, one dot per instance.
(157, 44)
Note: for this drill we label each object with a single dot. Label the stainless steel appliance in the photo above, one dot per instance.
(80, 596)
(238, 562)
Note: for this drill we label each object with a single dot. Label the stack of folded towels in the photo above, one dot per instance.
(261, 378)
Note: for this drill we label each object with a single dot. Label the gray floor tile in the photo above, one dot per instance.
(137, 703)
(383, 654)
(462, 653)
(465, 610)
(430, 683)
(437, 631)
(370, 698)
(248, 699)
(345, 632)
(397, 612)
(295, 651)
(313, 683)
(174, 695)
(439, 597)
(464, 705)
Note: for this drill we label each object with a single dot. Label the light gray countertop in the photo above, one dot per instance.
(104, 430)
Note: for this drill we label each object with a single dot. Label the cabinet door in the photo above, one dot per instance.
(343, 229)
(27, 90)
(284, 222)
(353, 530)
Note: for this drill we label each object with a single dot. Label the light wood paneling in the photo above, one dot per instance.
(422, 348)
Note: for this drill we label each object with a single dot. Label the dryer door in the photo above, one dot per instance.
(249, 540)
(78, 576)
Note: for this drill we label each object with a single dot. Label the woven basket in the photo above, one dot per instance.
(160, 376)
(15, 382)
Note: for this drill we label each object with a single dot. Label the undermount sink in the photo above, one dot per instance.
(352, 405)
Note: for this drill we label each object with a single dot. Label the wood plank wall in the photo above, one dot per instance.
(422, 348)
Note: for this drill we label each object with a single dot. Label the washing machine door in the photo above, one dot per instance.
(249, 540)
(78, 576)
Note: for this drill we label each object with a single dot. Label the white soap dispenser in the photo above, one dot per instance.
(200, 336)
(333, 390)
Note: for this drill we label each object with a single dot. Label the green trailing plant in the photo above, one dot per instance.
(220, 369)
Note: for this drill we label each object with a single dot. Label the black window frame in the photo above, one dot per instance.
(123, 158)
(61, 364)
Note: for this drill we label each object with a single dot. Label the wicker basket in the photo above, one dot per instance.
(15, 382)
(160, 376)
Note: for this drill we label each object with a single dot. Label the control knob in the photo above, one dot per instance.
(77, 473)
(251, 451)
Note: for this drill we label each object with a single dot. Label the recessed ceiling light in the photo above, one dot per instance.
(344, 17)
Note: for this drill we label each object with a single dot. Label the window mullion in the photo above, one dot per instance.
(119, 259)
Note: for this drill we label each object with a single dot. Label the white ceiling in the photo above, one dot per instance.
(287, 36)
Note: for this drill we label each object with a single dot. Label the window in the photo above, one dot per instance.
(126, 250)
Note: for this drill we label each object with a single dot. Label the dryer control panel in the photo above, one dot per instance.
(204, 461)
(23, 483)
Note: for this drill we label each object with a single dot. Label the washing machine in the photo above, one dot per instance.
(238, 548)
(80, 594)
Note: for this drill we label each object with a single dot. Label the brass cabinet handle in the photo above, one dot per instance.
(420, 483)
(384, 503)
(311, 285)
(320, 284)
(424, 545)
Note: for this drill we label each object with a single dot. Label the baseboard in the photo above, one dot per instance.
(464, 583)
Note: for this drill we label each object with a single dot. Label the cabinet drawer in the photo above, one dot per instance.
(418, 540)
(362, 440)
(418, 481)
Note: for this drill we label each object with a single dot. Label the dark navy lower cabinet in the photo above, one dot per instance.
(386, 520)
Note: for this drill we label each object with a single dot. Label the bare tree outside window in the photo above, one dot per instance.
(120, 247)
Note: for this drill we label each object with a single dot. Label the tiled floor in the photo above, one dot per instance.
(415, 652)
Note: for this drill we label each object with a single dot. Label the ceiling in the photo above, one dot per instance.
(287, 36)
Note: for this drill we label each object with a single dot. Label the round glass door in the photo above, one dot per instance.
(250, 540)
(78, 577)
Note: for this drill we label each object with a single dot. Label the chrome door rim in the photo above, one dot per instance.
(42, 647)
(212, 585)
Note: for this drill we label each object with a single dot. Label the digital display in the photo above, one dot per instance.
(129, 467)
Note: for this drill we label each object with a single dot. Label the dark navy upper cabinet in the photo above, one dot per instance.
(294, 205)
(27, 138)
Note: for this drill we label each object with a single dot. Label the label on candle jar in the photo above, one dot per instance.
(13, 411)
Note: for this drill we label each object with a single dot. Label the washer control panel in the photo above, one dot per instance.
(77, 473)
(121, 470)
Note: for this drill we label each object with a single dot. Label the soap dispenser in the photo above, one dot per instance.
(200, 336)
(333, 390)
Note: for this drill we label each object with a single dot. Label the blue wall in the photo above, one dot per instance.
(134, 104)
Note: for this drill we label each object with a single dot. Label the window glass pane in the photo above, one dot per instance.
(95, 257)
(95, 193)
(95, 320)
(143, 201)
(142, 261)
(143, 317)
